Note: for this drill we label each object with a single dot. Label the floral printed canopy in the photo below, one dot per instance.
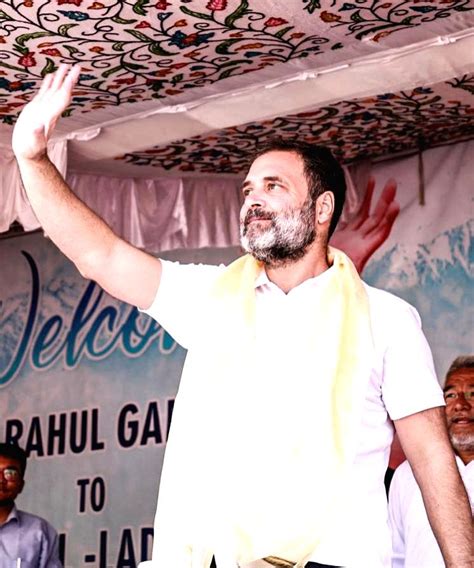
(192, 85)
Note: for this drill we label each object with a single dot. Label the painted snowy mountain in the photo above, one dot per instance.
(438, 279)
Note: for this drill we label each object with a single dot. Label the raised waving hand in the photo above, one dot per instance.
(38, 118)
(119, 268)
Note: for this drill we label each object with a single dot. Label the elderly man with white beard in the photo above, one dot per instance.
(296, 375)
(414, 545)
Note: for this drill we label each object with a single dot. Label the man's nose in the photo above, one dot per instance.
(256, 198)
(462, 402)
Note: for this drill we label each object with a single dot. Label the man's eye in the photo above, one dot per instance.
(11, 474)
(449, 395)
(272, 186)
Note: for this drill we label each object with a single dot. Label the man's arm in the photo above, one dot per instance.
(121, 269)
(49, 557)
(425, 441)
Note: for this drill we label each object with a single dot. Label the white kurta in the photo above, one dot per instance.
(402, 382)
(414, 544)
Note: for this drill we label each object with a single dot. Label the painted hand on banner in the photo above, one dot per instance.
(365, 232)
(38, 118)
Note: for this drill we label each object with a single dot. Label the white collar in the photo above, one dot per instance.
(263, 280)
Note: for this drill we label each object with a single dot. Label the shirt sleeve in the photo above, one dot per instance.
(180, 302)
(50, 548)
(409, 381)
(396, 517)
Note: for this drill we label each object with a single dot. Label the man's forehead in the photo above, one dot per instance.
(461, 378)
(7, 461)
(286, 166)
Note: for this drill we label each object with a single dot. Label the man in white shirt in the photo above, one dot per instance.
(286, 340)
(414, 545)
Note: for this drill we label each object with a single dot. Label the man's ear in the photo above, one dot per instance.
(21, 485)
(324, 208)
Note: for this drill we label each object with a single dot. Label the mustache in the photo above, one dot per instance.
(461, 416)
(258, 214)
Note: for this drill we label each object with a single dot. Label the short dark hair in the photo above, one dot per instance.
(322, 171)
(15, 452)
(461, 362)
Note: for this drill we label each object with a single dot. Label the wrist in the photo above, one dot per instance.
(34, 160)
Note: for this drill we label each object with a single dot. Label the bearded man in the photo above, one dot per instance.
(414, 545)
(296, 371)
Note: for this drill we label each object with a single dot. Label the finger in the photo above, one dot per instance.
(368, 226)
(72, 77)
(364, 209)
(386, 198)
(381, 231)
(369, 192)
(382, 234)
(389, 191)
(392, 214)
(64, 93)
(382, 227)
(45, 85)
(59, 76)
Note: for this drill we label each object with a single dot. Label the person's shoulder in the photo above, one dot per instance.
(377, 295)
(35, 522)
(179, 277)
(190, 273)
(385, 303)
(193, 266)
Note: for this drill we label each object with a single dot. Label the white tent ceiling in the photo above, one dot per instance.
(189, 86)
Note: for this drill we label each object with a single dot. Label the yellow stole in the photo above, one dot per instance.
(256, 466)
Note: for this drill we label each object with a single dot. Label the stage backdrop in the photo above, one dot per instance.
(88, 384)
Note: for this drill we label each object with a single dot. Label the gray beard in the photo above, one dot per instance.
(462, 442)
(285, 240)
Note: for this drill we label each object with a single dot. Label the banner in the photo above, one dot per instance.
(87, 384)
(88, 387)
(428, 258)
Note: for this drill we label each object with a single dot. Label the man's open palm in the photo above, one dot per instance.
(38, 118)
